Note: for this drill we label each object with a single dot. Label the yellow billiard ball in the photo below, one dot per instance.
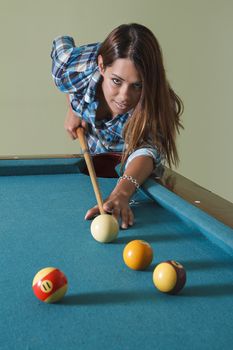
(50, 285)
(104, 228)
(138, 255)
(169, 277)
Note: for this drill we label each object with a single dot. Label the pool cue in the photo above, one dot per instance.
(90, 166)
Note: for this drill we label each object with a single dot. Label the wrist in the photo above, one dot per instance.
(130, 179)
(121, 194)
(126, 187)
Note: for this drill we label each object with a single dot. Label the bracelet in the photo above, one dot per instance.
(129, 178)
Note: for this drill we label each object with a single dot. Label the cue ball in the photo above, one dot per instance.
(169, 277)
(50, 285)
(138, 255)
(104, 228)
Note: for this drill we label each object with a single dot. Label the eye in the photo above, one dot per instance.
(116, 81)
(137, 86)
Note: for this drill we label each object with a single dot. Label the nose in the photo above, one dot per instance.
(124, 94)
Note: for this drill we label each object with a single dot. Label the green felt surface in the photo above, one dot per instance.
(107, 306)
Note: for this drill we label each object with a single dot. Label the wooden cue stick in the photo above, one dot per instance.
(90, 167)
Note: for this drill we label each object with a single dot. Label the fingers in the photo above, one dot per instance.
(72, 122)
(130, 217)
(127, 218)
(84, 125)
(91, 213)
(72, 129)
(125, 213)
(119, 212)
(72, 133)
(108, 207)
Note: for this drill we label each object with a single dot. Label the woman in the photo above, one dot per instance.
(118, 91)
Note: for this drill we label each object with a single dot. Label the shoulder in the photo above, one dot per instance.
(64, 49)
(63, 42)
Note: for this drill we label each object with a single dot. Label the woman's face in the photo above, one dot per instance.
(121, 85)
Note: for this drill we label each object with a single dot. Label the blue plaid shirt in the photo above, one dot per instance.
(75, 71)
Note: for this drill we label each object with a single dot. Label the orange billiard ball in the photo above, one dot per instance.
(50, 285)
(138, 255)
(169, 277)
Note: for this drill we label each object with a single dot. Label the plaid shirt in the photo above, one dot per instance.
(75, 71)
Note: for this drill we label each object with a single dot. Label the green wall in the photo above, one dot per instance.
(196, 38)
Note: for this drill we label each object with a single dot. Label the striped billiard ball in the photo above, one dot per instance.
(169, 277)
(50, 285)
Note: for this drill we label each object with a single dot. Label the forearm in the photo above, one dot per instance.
(68, 101)
(140, 169)
(118, 202)
(73, 121)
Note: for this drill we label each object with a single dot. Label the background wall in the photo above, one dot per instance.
(196, 38)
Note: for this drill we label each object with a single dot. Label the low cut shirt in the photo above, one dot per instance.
(75, 72)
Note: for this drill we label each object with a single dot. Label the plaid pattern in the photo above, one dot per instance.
(75, 71)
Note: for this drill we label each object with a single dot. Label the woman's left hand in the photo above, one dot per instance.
(118, 205)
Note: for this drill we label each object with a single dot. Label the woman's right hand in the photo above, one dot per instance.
(72, 122)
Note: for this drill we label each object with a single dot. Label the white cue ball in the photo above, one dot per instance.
(104, 228)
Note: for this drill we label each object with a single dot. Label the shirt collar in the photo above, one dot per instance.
(91, 90)
(89, 96)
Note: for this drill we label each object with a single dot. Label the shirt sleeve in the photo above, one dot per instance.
(71, 66)
(149, 152)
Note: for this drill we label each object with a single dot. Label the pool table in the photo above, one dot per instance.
(43, 201)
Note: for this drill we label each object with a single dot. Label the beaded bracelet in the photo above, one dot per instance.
(129, 178)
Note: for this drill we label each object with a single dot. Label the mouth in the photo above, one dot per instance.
(121, 106)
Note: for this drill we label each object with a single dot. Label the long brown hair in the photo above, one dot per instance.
(156, 118)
